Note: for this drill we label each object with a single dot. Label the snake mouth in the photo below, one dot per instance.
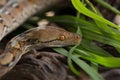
(49, 41)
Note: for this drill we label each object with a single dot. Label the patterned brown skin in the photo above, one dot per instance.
(42, 36)
(16, 12)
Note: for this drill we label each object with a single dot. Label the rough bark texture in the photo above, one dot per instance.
(41, 66)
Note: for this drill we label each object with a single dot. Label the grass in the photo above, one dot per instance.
(95, 28)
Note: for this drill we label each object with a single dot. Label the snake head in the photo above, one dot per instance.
(54, 37)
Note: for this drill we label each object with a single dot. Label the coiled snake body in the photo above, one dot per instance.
(16, 12)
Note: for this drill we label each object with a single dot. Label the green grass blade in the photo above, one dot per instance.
(82, 9)
(112, 62)
(89, 70)
(108, 6)
(88, 45)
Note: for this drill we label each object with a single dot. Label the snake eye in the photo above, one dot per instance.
(61, 38)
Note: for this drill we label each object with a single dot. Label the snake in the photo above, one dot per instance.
(13, 14)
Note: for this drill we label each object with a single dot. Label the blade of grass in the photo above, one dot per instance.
(102, 26)
(112, 62)
(88, 45)
(101, 38)
(82, 9)
(108, 6)
(89, 70)
(70, 56)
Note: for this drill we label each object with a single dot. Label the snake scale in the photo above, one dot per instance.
(16, 12)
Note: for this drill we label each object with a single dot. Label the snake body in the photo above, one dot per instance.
(16, 12)
(12, 15)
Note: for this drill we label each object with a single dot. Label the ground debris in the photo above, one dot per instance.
(41, 66)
